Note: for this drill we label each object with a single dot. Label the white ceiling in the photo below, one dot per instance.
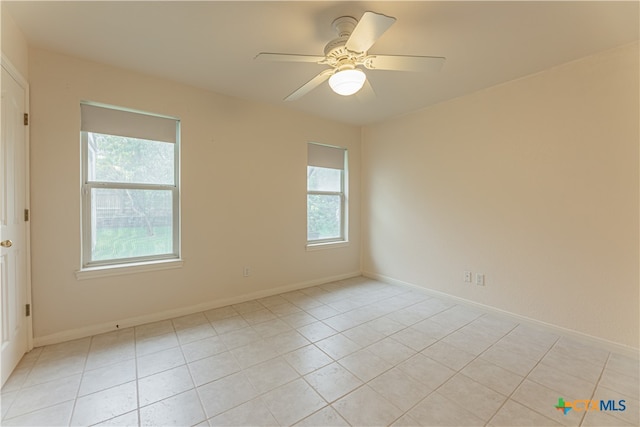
(211, 44)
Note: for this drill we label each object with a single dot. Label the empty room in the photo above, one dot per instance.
(320, 213)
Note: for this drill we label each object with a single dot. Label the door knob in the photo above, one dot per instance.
(6, 243)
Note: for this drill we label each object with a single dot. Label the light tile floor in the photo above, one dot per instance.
(354, 352)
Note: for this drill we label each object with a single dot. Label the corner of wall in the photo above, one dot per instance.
(15, 48)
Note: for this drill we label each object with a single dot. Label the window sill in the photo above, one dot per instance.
(326, 245)
(120, 270)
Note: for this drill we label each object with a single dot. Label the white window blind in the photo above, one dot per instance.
(324, 156)
(326, 196)
(130, 191)
(110, 121)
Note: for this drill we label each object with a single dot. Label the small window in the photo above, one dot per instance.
(130, 191)
(326, 199)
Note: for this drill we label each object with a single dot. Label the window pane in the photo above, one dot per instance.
(323, 179)
(323, 217)
(131, 223)
(130, 160)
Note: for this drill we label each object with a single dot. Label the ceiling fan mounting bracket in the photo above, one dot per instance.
(344, 25)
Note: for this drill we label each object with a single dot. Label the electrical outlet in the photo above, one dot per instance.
(468, 277)
(246, 271)
(480, 279)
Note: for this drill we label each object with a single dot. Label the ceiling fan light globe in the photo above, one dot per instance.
(347, 82)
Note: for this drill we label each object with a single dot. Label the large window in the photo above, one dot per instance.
(326, 199)
(130, 191)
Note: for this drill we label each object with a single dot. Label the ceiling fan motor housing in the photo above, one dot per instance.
(335, 51)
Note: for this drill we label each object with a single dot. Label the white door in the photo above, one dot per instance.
(13, 227)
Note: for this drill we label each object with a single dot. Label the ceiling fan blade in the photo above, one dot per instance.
(310, 85)
(369, 29)
(366, 94)
(404, 63)
(288, 57)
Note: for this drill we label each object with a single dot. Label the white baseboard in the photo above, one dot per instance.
(90, 330)
(558, 330)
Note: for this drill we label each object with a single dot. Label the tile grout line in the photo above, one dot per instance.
(186, 364)
(259, 395)
(478, 357)
(135, 358)
(457, 371)
(84, 368)
(524, 378)
(604, 366)
(439, 340)
(302, 376)
(22, 387)
(19, 389)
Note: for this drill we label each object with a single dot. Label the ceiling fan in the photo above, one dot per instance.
(346, 53)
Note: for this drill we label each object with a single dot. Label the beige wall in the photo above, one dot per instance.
(533, 183)
(243, 197)
(14, 44)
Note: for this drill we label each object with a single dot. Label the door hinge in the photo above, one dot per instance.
(27, 310)
(26, 214)
(26, 119)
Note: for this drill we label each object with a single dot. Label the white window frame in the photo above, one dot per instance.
(87, 222)
(342, 193)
